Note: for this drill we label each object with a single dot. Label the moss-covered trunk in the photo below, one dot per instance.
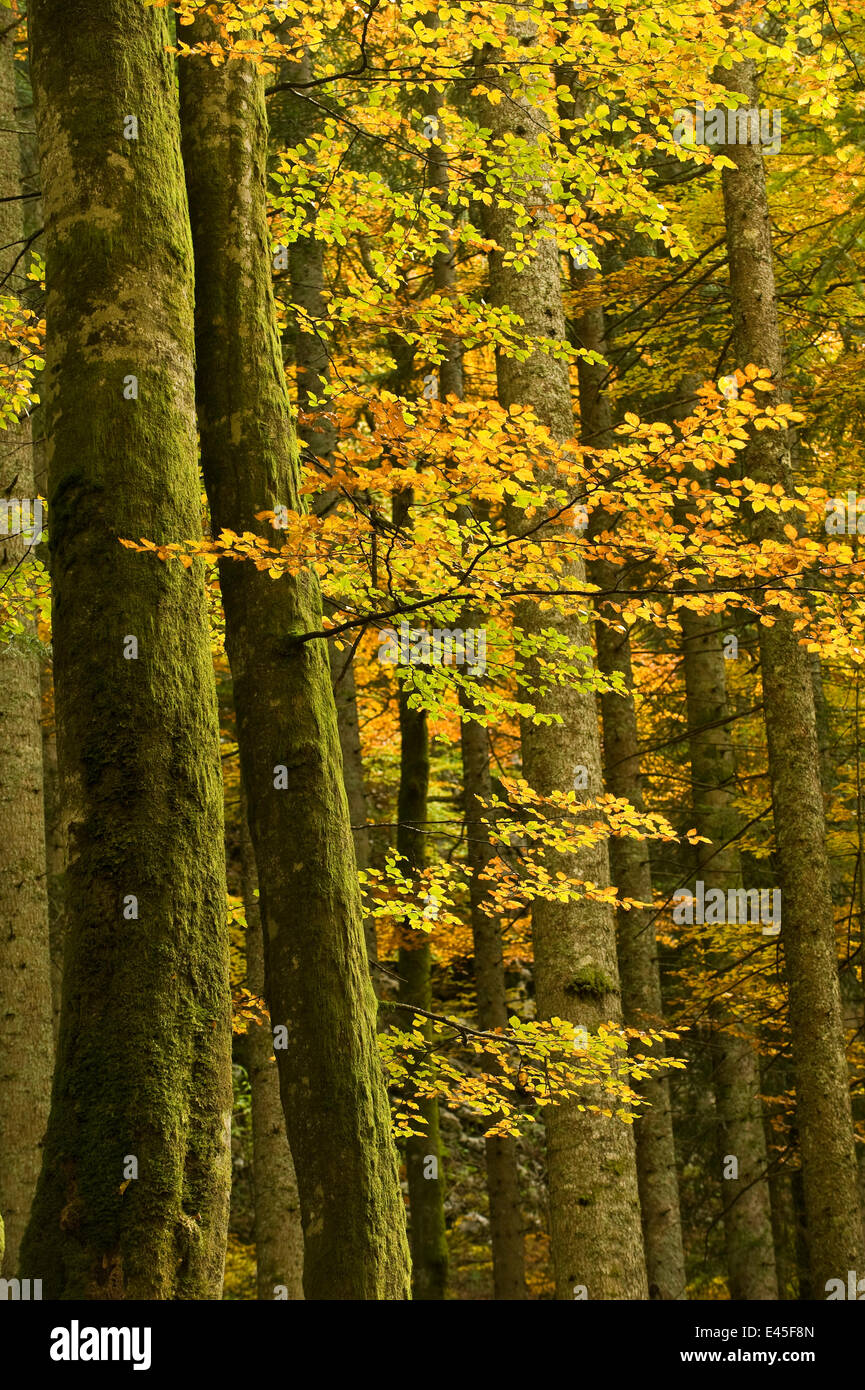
(594, 1203)
(278, 1229)
(292, 120)
(835, 1230)
(318, 988)
(26, 1038)
(132, 1199)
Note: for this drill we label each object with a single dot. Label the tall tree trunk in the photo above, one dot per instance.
(781, 1201)
(55, 852)
(503, 1178)
(834, 1218)
(292, 118)
(26, 1037)
(306, 270)
(594, 1203)
(500, 1153)
(278, 1229)
(630, 867)
(423, 1153)
(318, 987)
(348, 729)
(132, 1199)
(736, 1074)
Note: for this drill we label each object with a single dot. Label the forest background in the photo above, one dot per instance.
(432, 854)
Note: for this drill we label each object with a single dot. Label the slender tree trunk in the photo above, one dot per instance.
(306, 269)
(503, 1178)
(781, 1202)
(736, 1070)
(132, 1199)
(348, 728)
(501, 1154)
(278, 1229)
(423, 1153)
(594, 1203)
(736, 1081)
(26, 1038)
(55, 853)
(318, 987)
(291, 120)
(631, 870)
(835, 1230)
(850, 973)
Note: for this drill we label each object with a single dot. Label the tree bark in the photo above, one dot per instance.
(278, 1229)
(132, 1199)
(631, 869)
(736, 1071)
(26, 1037)
(835, 1230)
(500, 1154)
(318, 987)
(423, 1153)
(55, 853)
(348, 729)
(594, 1203)
(291, 120)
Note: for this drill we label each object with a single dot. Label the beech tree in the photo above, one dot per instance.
(278, 1229)
(316, 974)
(594, 1205)
(132, 1200)
(525, 587)
(736, 1074)
(834, 1213)
(26, 1042)
(630, 865)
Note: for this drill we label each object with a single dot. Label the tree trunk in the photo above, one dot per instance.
(736, 1081)
(318, 987)
(55, 852)
(500, 1154)
(132, 1199)
(736, 1068)
(348, 729)
(594, 1203)
(26, 1037)
(835, 1231)
(631, 870)
(291, 120)
(423, 1153)
(278, 1229)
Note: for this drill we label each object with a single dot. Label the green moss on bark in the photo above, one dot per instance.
(599, 1245)
(317, 980)
(144, 1053)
